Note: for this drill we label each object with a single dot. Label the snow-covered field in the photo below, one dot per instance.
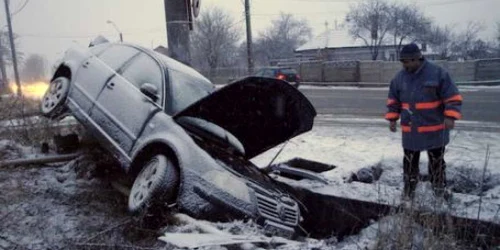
(76, 208)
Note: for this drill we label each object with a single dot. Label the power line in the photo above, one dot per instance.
(94, 34)
(20, 8)
(429, 2)
(42, 35)
(324, 1)
(452, 2)
(303, 13)
(237, 22)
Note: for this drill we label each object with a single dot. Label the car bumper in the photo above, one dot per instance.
(276, 217)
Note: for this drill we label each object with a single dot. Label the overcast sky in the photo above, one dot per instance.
(49, 27)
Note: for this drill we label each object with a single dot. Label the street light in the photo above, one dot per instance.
(116, 28)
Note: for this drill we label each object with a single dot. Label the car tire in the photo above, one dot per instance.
(53, 101)
(155, 184)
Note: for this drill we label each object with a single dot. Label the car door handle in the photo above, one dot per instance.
(86, 64)
(110, 85)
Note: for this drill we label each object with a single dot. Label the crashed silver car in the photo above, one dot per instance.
(184, 142)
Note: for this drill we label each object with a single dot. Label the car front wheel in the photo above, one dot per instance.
(156, 183)
(52, 104)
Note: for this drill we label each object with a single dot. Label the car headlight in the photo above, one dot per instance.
(228, 183)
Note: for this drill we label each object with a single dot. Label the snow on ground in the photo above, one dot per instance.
(351, 148)
(342, 120)
(78, 210)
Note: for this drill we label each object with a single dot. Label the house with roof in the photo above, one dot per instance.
(338, 45)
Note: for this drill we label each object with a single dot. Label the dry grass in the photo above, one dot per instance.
(408, 231)
(21, 122)
(426, 223)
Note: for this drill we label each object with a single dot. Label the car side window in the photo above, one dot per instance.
(144, 69)
(269, 73)
(117, 55)
(260, 73)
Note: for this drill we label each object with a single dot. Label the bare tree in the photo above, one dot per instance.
(482, 49)
(408, 24)
(498, 39)
(280, 40)
(5, 47)
(214, 41)
(34, 68)
(6, 57)
(498, 32)
(370, 21)
(440, 39)
(464, 42)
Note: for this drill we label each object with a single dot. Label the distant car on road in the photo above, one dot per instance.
(283, 73)
(183, 143)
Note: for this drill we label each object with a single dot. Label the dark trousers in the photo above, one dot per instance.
(437, 167)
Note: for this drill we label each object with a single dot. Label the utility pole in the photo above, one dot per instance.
(178, 27)
(13, 49)
(5, 81)
(249, 37)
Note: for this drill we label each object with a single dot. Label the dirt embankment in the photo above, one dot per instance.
(66, 206)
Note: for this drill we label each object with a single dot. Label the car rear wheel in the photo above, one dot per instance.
(156, 183)
(52, 104)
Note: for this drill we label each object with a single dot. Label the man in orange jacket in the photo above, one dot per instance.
(428, 103)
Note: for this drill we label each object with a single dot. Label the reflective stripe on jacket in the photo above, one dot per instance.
(422, 100)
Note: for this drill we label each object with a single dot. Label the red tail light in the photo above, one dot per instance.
(281, 77)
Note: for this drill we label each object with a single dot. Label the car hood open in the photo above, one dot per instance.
(260, 112)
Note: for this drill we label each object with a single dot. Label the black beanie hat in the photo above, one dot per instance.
(410, 51)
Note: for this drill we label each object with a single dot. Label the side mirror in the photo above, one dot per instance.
(150, 91)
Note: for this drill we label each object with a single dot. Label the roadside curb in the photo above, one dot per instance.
(328, 120)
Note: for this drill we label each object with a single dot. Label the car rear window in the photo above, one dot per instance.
(117, 55)
(288, 71)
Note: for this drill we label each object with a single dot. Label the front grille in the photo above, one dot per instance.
(276, 210)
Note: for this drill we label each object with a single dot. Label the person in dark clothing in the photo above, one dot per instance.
(428, 103)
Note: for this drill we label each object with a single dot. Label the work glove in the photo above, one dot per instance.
(449, 123)
(392, 126)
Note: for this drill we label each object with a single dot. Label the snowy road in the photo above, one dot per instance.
(480, 103)
(325, 120)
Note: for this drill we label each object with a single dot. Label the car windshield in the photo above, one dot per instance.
(186, 90)
(186, 85)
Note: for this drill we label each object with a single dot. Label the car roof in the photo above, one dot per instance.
(170, 63)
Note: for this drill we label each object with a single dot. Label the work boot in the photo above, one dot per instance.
(442, 193)
(407, 195)
(409, 188)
